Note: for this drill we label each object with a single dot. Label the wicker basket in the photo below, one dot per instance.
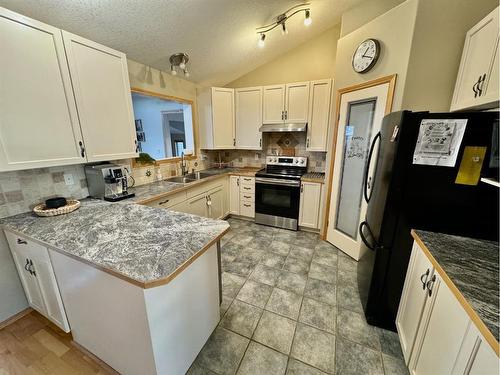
(42, 210)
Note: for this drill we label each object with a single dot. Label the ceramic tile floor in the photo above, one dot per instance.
(291, 306)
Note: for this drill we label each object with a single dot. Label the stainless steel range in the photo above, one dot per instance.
(277, 191)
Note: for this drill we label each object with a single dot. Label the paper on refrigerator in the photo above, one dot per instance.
(439, 142)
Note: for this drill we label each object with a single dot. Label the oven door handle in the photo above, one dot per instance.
(277, 181)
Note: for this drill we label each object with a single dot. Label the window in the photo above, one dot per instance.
(164, 126)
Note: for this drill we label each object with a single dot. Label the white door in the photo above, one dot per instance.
(102, 91)
(273, 104)
(477, 80)
(223, 117)
(38, 120)
(297, 102)
(234, 195)
(310, 196)
(198, 205)
(413, 300)
(442, 334)
(248, 118)
(360, 118)
(320, 93)
(216, 203)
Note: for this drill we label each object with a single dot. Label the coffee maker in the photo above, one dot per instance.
(108, 182)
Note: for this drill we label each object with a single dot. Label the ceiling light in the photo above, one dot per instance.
(281, 21)
(308, 19)
(179, 60)
(262, 40)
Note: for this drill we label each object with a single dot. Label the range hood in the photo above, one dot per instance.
(283, 127)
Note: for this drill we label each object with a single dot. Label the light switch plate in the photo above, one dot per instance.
(68, 179)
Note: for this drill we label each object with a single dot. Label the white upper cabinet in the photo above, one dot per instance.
(38, 118)
(285, 103)
(216, 112)
(297, 102)
(319, 115)
(477, 80)
(248, 118)
(102, 92)
(273, 107)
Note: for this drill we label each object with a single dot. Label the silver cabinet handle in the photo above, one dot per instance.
(247, 205)
(247, 179)
(26, 266)
(260, 142)
(164, 202)
(247, 196)
(430, 284)
(246, 188)
(307, 143)
(238, 182)
(21, 242)
(426, 276)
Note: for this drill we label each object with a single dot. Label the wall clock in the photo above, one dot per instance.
(366, 55)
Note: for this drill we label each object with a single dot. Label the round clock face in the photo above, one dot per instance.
(365, 56)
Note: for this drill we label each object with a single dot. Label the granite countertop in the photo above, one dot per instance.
(472, 265)
(143, 245)
(318, 177)
(160, 189)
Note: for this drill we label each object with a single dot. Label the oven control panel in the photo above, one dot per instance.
(298, 161)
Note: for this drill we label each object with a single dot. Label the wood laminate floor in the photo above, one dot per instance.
(33, 345)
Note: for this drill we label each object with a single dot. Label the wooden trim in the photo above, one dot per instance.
(194, 115)
(492, 341)
(391, 80)
(313, 180)
(15, 317)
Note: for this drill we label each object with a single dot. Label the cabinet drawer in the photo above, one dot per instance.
(245, 180)
(168, 201)
(247, 209)
(247, 188)
(247, 197)
(29, 247)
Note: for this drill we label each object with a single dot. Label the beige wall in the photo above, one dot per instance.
(312, 60)
(437, 49)
(364, 13)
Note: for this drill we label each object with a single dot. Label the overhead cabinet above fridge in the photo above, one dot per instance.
(64, 99)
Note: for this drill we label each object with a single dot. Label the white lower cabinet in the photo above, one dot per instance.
(310, 197)
(234, 195)
(215, 198)
(437, 335)
(37, 276)
(242, 196)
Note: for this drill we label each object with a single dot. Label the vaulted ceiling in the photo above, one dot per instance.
(218, 35)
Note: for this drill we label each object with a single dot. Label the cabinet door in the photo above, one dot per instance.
(234, 195)
(179, 207)
(443, 327)
(485, 361)
(38, 119)
(223, 117)
(310, 196)
(50, 292)
(319, 115)
(297, 102)
(248, 118)
(477, 81)
(273, 104)
(102, 91)
(21, 255)
(198, 206)
(216, 203)
(413, 300)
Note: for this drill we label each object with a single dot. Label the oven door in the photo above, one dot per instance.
(277, 197)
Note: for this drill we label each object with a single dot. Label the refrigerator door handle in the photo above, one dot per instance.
(364, 224)
(367, 179)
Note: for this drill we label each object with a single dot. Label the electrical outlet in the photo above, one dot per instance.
(68, 179)
(257, 156)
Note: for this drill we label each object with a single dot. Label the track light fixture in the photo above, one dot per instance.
(179, 60)
(281, 21)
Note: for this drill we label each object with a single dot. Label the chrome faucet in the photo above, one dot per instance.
(183, 165)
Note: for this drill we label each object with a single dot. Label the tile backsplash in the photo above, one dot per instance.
(21, 190)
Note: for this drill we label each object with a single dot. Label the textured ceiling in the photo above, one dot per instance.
(218, 35)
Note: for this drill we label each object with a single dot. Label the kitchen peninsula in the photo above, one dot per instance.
(140, 285)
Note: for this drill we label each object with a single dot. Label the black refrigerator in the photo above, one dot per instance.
(404, 193)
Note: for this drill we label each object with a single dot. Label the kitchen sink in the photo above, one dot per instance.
(191, 177)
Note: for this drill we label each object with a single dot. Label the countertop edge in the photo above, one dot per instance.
(492, 341)
(141, 284)
(315, 180)
(193, 184)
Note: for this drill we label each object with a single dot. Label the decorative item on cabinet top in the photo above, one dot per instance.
(54, 72)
